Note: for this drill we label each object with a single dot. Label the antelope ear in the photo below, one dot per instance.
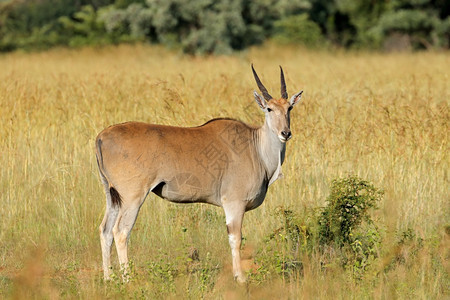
(296, 98)
(260, 100)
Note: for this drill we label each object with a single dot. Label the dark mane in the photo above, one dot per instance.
(226, 119)
(218, 119)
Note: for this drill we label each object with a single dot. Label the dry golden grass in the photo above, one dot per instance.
(382, 117)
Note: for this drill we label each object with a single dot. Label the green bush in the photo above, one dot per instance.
(346, 225)
(343, 227)
(284, 247)
(84, 28)
(298, 29)
(348, 205)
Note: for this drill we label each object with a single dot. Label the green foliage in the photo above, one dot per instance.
(343, 227)
(424, 22)
(202, 26)
(126, 3)
(347, 206)
(132, 22)
(199, 27)
(285, 245)
(85, 28)
(220, 27)
(346, 225)
(362, 251)
(163, 272)
(424, 27)
(363, 16)
(370, 24)
(298, 29)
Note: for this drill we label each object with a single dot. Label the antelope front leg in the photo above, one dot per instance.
(234, 215)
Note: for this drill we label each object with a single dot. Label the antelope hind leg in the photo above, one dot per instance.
(106, 239)
(122, 229)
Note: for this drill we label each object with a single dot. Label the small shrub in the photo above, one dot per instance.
(362, 251)
(163, 273)
(294, 230)
(348, 205)
(343, 228)
(284, 246)
(345, 223)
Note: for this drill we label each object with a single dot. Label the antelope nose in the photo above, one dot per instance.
(286, 134)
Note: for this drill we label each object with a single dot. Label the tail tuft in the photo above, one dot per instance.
(115, 197)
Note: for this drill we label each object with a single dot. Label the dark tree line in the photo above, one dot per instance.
(221, 26)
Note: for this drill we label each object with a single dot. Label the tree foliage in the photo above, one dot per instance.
(208, 26)
(298, 29)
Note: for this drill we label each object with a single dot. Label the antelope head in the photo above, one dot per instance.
(277, 111)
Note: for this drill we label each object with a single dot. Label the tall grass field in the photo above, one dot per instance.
(383, 118)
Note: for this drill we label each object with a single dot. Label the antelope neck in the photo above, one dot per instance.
(271, 151)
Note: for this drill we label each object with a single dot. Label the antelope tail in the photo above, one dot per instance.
(116, 199)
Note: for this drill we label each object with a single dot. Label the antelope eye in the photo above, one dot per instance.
(290, 108)
(269, 109)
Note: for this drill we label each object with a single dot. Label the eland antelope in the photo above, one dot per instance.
(223, 162)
